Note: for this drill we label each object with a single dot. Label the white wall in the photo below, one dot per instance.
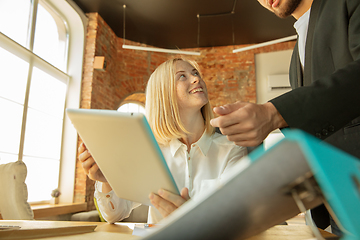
(273, 63)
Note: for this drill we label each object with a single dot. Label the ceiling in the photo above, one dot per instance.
(174, 23)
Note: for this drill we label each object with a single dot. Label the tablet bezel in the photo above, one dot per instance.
(125, 149)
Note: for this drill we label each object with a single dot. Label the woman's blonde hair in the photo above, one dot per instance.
(161, 105)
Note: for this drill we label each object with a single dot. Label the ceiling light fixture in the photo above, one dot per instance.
(164, 50)
(285, 39)
(153, 49)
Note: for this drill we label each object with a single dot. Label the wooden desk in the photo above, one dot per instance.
(60, 230)
(49, 210)
(123, 231)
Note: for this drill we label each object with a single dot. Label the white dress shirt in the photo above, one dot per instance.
(301, 26)
(202, 168)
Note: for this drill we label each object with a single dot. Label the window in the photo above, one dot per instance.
(133, 103)
(132, 107)
(36, 62)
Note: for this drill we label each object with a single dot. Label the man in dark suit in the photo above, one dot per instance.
(324, 75)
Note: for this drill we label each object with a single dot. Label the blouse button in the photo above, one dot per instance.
(189, 158)
(108, 196)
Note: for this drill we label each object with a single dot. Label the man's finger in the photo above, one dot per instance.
(221, 110)
(245, 129)
(228, 108)
(223, 121)
(245, 140)
(232, 116)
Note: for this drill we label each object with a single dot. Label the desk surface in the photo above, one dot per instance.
(123, 231)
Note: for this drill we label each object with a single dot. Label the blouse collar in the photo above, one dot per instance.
(203, 143)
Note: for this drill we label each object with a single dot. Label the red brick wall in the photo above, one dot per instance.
(229, 77)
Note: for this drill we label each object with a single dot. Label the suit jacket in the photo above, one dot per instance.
(325, 100)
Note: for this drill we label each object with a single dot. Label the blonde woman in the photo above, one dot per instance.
(179, 114)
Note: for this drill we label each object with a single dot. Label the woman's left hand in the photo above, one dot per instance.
(167, 202)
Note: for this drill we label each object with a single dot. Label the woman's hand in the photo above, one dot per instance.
(167, 202)
(88, 164)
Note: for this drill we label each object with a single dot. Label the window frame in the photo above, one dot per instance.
(75, 21)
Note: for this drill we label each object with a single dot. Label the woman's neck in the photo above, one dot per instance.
(194, 123)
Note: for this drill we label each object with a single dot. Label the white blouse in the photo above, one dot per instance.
(199, 170)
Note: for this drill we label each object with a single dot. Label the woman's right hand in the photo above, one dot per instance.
(89, 165)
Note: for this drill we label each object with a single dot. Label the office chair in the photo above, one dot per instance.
(13, 192)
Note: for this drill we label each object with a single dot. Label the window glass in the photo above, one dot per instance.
(10, 128)
(7, 158)
(43, 135)
(50, 37)
(45, 116)
(132, 107)
(42, 177)
(14, 74)
(14, 19)
(47, 94)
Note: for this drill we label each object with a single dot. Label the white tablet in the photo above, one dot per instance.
(125, 149)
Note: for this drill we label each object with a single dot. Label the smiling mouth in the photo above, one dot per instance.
(197, 90)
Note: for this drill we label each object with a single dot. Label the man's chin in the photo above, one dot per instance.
(282, 15)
